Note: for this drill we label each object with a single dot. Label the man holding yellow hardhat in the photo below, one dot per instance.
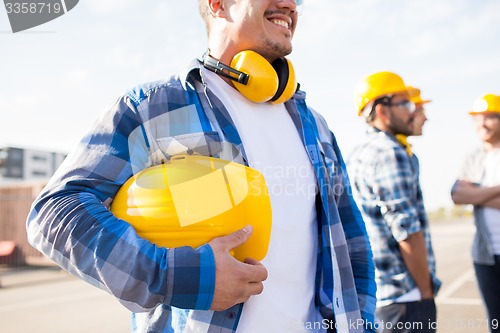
(240, 103)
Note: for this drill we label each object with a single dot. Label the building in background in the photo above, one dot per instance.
(23, 174)
(19, 164)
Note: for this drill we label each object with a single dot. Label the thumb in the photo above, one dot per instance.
(238, 238)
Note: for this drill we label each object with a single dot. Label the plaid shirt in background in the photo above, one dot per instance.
(70, 222)
(386, 186)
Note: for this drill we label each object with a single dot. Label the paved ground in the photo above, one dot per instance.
(47, 300)
(459, 305)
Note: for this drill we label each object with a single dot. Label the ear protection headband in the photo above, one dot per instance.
(256, 78)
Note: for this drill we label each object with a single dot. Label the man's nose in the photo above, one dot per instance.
(290, 4)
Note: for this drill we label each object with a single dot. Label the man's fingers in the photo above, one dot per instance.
(259, 272)
(237, 238)
(252, 261)
(256, 288)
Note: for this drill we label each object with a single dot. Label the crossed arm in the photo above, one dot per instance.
(465, 192)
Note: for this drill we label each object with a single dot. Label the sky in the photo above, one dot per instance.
(55, 79)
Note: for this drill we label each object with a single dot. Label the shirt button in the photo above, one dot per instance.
(231, 315)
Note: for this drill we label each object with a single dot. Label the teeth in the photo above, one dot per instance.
(281, 23)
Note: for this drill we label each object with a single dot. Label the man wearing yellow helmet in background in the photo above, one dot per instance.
(386, 187)
(419, 118)
(478, 184)
(239, 102)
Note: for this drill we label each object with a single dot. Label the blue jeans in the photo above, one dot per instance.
(407, 317)
(488, 279)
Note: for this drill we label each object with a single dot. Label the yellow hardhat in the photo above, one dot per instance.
(376, 85)
(192, 199)
(486, 103)
(415, 96)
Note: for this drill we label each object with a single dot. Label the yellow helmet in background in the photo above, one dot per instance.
(193, 199)
(415, 96)
(376, 85)
(486, 103)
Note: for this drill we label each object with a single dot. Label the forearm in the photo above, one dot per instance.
(414, 255)
(492, 203)
(463, 194)
(71, 224)
(82, 236)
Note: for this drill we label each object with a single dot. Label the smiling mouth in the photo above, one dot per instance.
(281, 23)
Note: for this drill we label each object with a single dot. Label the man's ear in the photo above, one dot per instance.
(216, 8)
(381, 112)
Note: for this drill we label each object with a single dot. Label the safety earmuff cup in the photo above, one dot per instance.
(256, 78)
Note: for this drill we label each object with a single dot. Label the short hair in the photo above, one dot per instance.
(368, 111)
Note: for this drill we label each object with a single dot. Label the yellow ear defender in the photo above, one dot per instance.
(256, 78)
(192, 199)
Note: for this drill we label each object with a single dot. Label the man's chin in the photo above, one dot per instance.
(276, 51)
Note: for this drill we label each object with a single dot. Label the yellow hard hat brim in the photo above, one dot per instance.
(475, 113)
(420, 101)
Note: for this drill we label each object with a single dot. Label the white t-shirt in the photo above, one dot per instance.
(273, 146)
(491, 177)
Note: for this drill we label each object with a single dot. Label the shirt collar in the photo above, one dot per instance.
(403, 139)
(191, 72)
(375, 131)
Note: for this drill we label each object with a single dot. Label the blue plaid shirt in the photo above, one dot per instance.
(386, 186)
(173, 288)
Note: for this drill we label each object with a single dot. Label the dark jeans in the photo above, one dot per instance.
(488, 279)
(407, 317)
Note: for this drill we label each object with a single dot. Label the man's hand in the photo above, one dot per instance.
(235, 281)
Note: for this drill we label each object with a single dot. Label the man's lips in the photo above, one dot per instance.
(281, 23)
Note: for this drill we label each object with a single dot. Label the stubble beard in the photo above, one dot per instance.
(277, 50)
(399, 127)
